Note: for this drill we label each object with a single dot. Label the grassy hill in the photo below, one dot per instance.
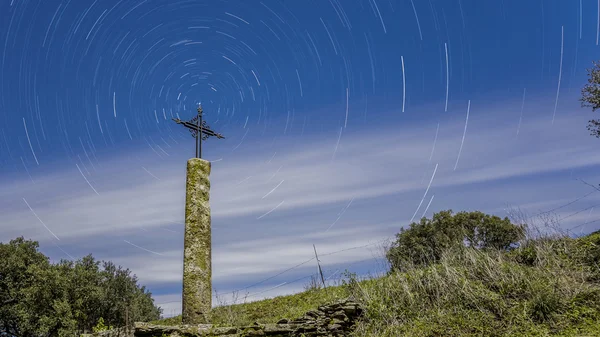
(547, 287)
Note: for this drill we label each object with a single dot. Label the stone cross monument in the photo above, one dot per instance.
(197, 288)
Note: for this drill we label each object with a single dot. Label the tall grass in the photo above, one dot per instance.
(548, 286)
(475, 293)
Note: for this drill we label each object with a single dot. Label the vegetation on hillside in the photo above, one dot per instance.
(463, 274)
(542, 289)
(42, 299)
(544, 284)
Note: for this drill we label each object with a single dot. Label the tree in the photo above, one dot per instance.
(84, 290)
(590, 97)
(123, 300)
(32, 298)
(424, 242)
(41, 299)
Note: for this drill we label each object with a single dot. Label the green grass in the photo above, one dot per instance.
(473, 293)
(270, 310)
(548, 287)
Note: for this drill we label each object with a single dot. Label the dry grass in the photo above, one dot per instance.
(547, 287)
(474, 293)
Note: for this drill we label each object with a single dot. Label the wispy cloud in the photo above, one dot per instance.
(270, 206)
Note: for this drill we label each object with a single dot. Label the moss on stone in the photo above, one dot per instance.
(197, 290)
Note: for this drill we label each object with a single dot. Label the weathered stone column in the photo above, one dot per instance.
(197, 289)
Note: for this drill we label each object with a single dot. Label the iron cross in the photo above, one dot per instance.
(199, 130)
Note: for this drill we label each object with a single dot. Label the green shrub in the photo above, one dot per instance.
(39, 298)
(424, 242)
(100, 326)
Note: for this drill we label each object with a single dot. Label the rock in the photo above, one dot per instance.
(224, 331)
(312, 314)
(253, 333)
(337, 319)
(349, 310)
(274, 329)
(306, 328)
(335, 327)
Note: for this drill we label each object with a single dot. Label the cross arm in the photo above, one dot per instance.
(212, 133)
(194, 127)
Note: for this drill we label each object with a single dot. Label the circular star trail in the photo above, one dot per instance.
(87, 75)
(90, 74)
(340, 116)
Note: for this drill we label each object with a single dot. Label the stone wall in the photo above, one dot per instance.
(336, 319)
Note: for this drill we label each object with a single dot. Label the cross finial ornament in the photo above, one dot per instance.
(199, 130)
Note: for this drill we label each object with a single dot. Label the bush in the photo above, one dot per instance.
(38, 298)
(100, 326)
(424, 242)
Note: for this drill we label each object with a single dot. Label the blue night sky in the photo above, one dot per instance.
(343, 120)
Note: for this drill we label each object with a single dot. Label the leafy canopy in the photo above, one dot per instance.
(38, 298)
(590, 97)
(424, 242)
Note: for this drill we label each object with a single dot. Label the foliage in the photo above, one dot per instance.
(589, 254)
(590, 97)
(543, 287)
(38, 298)
(100, 326)
(474, 292)
(268, 310)
(467, 292)
(424, 242)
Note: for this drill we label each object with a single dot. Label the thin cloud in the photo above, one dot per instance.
(136, 219)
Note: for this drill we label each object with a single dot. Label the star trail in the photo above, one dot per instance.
(336, 113)
(258, 60)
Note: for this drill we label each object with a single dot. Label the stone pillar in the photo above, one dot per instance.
(197, 289)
